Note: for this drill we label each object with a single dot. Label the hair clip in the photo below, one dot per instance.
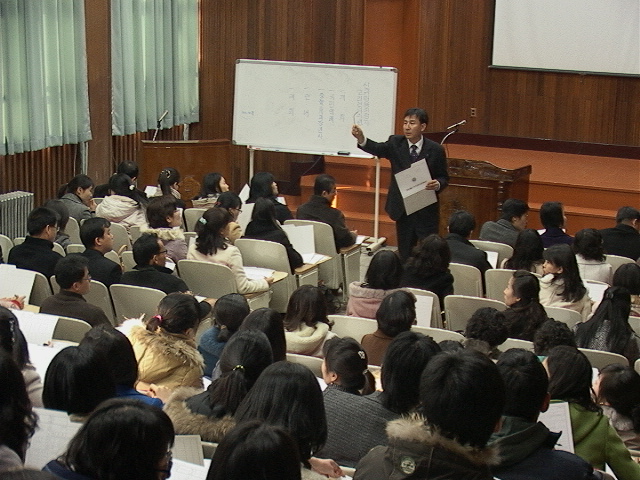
(159, 318)
(166, 173)
(238, 367)
(132, 187)
(366, 370)
(361, 354)
(202, 221)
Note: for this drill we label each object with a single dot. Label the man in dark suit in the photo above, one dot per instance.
(97, 238)
(461, 224)
(402, 151)
(624, 238)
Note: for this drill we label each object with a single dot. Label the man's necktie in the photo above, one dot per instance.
(414, 153)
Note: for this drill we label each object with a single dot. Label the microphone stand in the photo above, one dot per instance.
(158, 126)
(445, 139)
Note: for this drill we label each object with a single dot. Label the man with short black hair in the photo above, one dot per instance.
(319, 209)
(97, 238)
(461, 224)
(513, 220)
(461, 396)
(72, 275)
(624, 238)
(150, 255)
(36, 252)
(527, 446)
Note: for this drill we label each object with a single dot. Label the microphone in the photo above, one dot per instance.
(164, 114)
(456, 125)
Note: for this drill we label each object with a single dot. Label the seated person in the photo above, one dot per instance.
(263, 185)
(527, 446)
(169, 183)
(319, 209)
(77, 195)
(213, 184)
(128, 167)
(462, 396)
(590, 256)
(125, 205)
(551, 334)
(525, 313)
(485, 331)
(36, 252)
(527, 253)
(58, 206)
(306, 324)
(553, 220)
(97, 238)
(150, 271)
(461, 224)
(628, 276)
(72, 275)
(513, 221)
(232, 203)
(165, 220)
(624, 238)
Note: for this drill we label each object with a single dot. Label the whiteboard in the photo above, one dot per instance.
(310, 107)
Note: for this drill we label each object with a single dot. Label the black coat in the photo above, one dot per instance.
(622, 240)
(101, 268)
(35, 254)
(260, 230)
(153, 276)
(319, 209)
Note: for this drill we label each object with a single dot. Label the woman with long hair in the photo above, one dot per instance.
(164, 217)
(125, 205)
(269, 322)
(561, 285)
(628, 276)
(232, 203)
(213, 246)
(213, 184)
(263, 185)
(210, 413)
(525, 313)
(169, 182)
(306, 324)
(589, 249)
(594, 439)
(345, 367)
(77, 195)
(608, 329)
(527, 253)
(382, 278)
(264, 226)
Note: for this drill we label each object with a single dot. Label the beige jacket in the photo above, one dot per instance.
(122, 210)
(550, 296)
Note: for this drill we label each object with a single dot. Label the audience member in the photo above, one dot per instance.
(461, 224)
(486, 330)
(590, 256)
(561, 285)
(17, 420)
(594, 439)
(526, 446)
(72, 275)
(553, 220)
(58, 206)
(264, 226)
(232, 203)
(168, 184)
(396, 314)
(150, 271)
(428, 267)
(27, 474)
(213, 184)
(552, 333)
(263, 184)
(36, 252)
(212, 246)
(382, 278)
(77, 195)
(269, 322)
(165, 220)
(345, 367)
(462, 397)
(306, 324)
(125, 205)
(525, 314)
(515, 214)
(165, 347)
(97, 238)
(78, 379)
(628, 276)
(128, 167)
(210, 413)
(122, 439)
(228, 313)
(624, 239)
(527, 253)
(319, 209)
(608, 329)
(255, 450)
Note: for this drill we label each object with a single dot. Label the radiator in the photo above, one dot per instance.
(14, 210)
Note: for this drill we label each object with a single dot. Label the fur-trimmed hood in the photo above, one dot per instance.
(174, 344)
(166, 234)
(307, 340)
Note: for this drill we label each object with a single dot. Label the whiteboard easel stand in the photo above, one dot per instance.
(251, 162)
(376, 203)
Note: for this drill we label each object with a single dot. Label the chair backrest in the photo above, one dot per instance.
(120, 237)
(436, 312)
(503, 250)
(70, 329)
(6, 244)
(207, 279)
(634, 322)
(467, 280)
(100, 297)
(75, 248)
(191, 216)
(636, 366)
(564, 315)
(516, 343)
(58, 249)
(130, 301)
(113, 256)
(127, 260)
(98, 200)
(73, 230)
(458, 309)
(134, 233)
(18, 240)
(600, 359)
(41, 289)
(496, 280)
(438, 334)
(312, 363)
(616, 261)
(354, 327)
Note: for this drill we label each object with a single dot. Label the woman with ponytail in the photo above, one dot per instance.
(168, 183)
(125, 205)
(210, 413)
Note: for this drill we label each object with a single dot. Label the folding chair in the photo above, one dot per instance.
(75, 248)
(134, 233)
(73, 230)
(503, 250)
(564, 315)
(113, 256)
(354, 327)
(70, 329)
(18, 240)
(636, 366)
(436, 313)
(312, 363)
(467, 280)
(634, 322)
(130, 301)
(58, 249)
(6, 244)
(600, 359)
(438, 334)
(120, 237)
(516, 343)
(128, 262)
(100, 297)
(496, 280)
(616, 261)
(41, 289)
(191, 216)
(458, 309)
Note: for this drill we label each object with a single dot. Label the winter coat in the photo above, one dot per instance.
(363, 301)
(173, 240)
(122, 210)
(77, 208)
(550, 296)
(308, 340)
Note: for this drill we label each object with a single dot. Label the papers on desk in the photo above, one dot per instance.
(41, 355)
(492, 258)
(557, 419)
(51, 438)
(188, 471)
(312, 258)
(360, 239)
(596, 291)
(188, 448)
(15, 281)
(152, 191)
(301, 237)
(412, 183)
(258, 273)
(37, 327)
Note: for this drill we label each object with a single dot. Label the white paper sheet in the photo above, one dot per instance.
(188, 471)
(244, 193)
(37, 327)
(312, 258)
(557, 419)
(596, 291)
(424, 306)
(492, 258)
(188, 448)
(301, 237)
(245, 215)
(152, 191)
(257, 273)
(41, 356)
(51, 438)
(412, 184)
(15, 281)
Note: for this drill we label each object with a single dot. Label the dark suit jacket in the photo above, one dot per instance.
(152, 276)
(463, 251)
(69, 304)
(622, 240)
(319, 209)
(35, 254)
(102, 269)
(396, 150)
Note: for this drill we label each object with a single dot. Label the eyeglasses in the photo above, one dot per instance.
(169, 459)
(162, 251)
